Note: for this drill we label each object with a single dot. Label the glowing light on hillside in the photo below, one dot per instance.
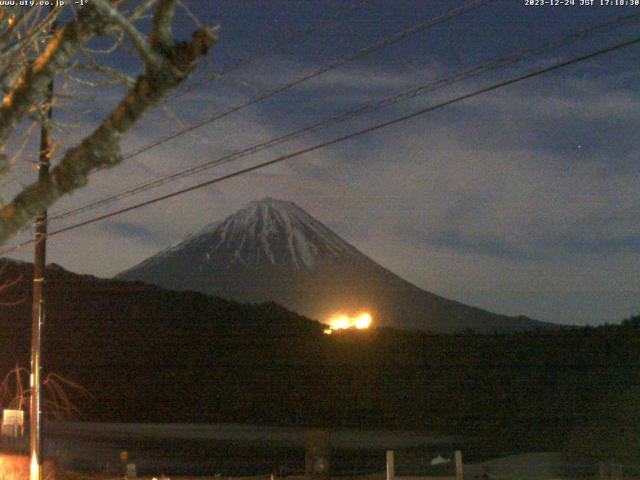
(362, 321)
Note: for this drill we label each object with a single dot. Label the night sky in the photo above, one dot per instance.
(524, 200)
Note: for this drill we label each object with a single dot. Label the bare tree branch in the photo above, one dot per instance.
(161, 35)
(117, 76)
(7, 48)
(150, 57)
(141, 9)
(59, 394)
(35, 78)
(102, 148)
(167, 63)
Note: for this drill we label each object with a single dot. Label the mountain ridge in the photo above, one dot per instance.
(273, 250)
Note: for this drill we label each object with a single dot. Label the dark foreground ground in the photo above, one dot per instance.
(237, 450)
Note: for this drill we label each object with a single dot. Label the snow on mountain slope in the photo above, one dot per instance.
(265, 232)
(272, 250)
(277, 232)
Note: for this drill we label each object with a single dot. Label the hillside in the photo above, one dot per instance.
(153, 355)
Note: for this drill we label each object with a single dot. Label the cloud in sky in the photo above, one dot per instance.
(521, 201)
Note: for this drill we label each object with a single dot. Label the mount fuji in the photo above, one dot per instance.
(272, 250)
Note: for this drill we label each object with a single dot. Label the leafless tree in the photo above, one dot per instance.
(59, 394)
(32, 54)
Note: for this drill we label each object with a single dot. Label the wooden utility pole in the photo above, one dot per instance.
(38, 312)
(391, 465)
(459, 472)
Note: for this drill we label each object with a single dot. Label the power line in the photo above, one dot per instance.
(241, 62)
(261, 53)
(343, 138)
(398, 37)
(310, 28)
(360, 110)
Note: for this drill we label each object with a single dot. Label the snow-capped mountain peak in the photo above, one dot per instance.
(276, 232)
(272, 250)
(264, 232)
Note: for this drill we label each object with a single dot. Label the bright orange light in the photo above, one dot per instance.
(341, 321)
(363, 321)
(35, 470)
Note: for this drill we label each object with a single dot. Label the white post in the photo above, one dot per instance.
(391, 468)
(458, 465)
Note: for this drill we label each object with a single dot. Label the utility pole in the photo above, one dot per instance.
(38, 313)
